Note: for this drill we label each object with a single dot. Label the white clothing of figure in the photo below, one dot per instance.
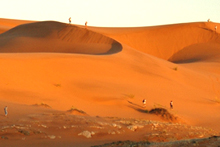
(144, 102)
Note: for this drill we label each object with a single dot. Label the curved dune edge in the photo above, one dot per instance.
(167, 41)
(56, 37)
(159, 41)
(196, 52)
(103, 85)
(7, 24)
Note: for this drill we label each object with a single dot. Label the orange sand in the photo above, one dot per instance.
(108, 71)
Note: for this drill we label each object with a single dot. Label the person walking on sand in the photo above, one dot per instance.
(70, 20)
(86, 24)
(6, 110)
(144, 102)
(215, 28)
(171, 104)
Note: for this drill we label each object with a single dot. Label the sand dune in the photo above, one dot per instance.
(55, 37)
(165, 41)
(197, 52)
(106, 72)
(7, 24)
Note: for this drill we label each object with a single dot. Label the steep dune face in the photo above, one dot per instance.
(57, 37)
(168, 42)
(114, 85)
(197, 52)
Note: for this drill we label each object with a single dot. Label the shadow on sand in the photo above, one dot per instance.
(137, 107)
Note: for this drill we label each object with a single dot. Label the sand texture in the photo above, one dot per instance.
(67, 85)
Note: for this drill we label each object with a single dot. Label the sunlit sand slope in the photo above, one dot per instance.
(138, 63)
(176, 43)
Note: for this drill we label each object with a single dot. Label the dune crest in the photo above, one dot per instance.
(7, 24)
(51, 36)
(167, 41)
(107, 92)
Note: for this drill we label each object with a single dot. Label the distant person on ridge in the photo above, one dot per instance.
(215, 28)
(208, 20)
(6, 111)
(171, 104)
(86, 24)
(70, 20)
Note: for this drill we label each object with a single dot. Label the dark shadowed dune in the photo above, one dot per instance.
(7, 24)
(50, 36)
(196, 52)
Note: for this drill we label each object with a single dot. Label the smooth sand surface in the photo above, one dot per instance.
(107, 72)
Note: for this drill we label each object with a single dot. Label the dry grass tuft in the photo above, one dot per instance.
(43, 105)
(163, 113)
(74, 110)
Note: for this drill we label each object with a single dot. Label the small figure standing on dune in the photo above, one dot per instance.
(215, 28)
(171, 104)
(70, 20)
(144, 102)
(86, 24)
(208, 20)
(6, 110)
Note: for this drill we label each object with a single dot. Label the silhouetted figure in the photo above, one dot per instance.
(171, 104)
(6, 111)
(86, 24)
(70, 20)
(144, 102)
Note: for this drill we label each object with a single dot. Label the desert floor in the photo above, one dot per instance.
(67, 85)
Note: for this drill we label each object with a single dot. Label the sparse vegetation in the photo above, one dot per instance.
(73, 109)
(43, 104)
(146, 111)
(175, 68)
(163, 113)
(25, 132)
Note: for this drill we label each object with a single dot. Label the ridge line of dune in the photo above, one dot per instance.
(52, 36)
(166, 40)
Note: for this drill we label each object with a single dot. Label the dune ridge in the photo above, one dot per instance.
(167, 42)
(7, 24)
(156, 41)
(177, 62)
(56, 37)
